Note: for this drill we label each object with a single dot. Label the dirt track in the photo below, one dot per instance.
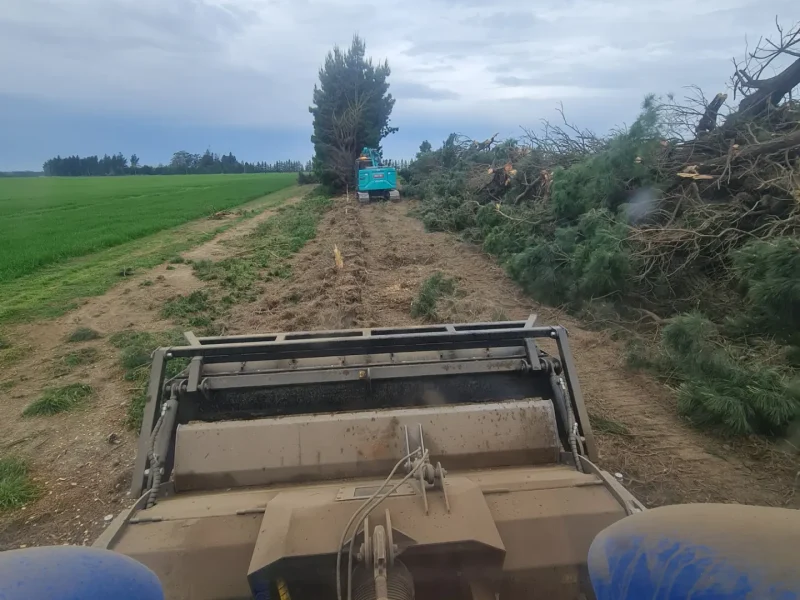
(387, 255)
(83, 476)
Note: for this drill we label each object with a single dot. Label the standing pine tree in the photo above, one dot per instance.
(351, 110)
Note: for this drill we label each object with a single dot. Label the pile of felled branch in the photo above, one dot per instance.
(714, 205)
(731, 183)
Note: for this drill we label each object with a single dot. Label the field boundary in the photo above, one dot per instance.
(56, 289)
(44, 221)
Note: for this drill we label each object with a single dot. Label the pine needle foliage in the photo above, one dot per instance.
(719, 390)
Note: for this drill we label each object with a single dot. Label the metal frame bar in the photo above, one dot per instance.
(363, 361)
(628, 501)
(368, 332)
(259, 380)
(575, 394)
(154, 389)
(358, 342)
(371, 344)
(191, 338)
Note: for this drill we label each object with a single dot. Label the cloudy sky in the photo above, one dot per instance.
(155, 76)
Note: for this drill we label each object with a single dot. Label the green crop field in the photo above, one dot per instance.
(49, 219)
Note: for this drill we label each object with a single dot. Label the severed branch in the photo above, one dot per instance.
(787, 142)
(761, 93)
(708, 122)
(562, 145)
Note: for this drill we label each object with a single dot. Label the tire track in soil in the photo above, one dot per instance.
(388, 254)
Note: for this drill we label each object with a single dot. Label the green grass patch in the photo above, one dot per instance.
(499, 315)
(4, 344)
(281, 271)
(195, 309)
(59, 399)
(136, 349)
(723, 387)
(39, 216)
(12, 354)
(177, 260)
(83, 334)
(16, 487)
(238, 276)
(7, 385)
(84, 356)
(434, 288)
(607, 426)
(137, 346)
(54, 289)
(263, 255)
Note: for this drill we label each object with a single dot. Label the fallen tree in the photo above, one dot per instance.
(762, 94)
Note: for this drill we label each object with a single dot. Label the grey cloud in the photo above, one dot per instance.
(509, 25)
(179, 26)
(503, 67)
(468, 58)
(417, 91)
(461, 3)
(665, 76)
(512, 81)
(348, 16)
(449, 49)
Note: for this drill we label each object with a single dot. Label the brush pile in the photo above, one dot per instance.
(690, 215)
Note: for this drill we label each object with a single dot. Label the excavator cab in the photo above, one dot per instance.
(374, 180)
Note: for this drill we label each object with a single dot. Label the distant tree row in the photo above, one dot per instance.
(182, 163)
(20, 173)
(397, 164)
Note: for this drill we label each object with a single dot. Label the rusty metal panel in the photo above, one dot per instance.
(326, 446)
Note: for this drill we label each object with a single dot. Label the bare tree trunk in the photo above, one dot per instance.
(708, 122)
(760, 94)
(769, 92)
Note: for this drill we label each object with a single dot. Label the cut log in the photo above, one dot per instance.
(708, 122)
(781, 144)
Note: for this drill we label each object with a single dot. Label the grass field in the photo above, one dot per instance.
(57, 288)
(49, 219)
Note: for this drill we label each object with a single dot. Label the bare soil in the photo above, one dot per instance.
(82, 461)
(387, 255)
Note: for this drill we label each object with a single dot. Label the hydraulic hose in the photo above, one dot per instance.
(159, 446)
(573, 427)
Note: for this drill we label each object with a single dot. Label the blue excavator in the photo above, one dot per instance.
(375, 180)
